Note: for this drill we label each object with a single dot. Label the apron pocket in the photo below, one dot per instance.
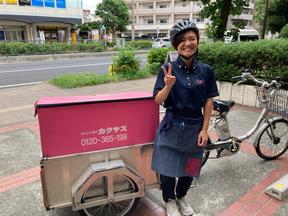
(189, 138)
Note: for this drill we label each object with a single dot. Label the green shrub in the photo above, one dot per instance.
(111, 44)
(157, 55)
(228, 60)
(284, 32)
(125, 63)
(21, 48)
(151, 68)
(140, 44)
(267, 57)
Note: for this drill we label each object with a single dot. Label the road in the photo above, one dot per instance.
(29, 72)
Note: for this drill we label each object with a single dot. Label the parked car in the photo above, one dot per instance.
(161, 42)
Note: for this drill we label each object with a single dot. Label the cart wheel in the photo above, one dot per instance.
(122, 185)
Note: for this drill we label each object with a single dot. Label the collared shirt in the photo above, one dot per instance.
(192, 88)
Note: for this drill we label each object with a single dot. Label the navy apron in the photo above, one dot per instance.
(175, 152)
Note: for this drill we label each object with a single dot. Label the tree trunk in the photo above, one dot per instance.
(265, 19)
(225, 11)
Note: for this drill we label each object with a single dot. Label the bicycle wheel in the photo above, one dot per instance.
(122, 185)
(271, 146)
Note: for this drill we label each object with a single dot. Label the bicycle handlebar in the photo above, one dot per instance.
(246, 75)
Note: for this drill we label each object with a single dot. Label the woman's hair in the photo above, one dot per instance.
(179, 29)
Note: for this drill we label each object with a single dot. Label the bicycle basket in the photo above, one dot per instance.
(277, 103)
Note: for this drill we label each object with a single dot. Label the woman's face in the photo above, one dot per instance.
(188, 45)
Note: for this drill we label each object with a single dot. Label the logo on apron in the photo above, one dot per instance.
(193, 167)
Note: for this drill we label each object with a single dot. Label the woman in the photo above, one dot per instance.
(185, 88)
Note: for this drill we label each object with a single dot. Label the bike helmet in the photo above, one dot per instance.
(182, 27)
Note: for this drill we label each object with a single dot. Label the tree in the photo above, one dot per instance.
(284, 32)
(278, 16)
(218, 12)
(259, 14)
(89, 26)
(114, 15)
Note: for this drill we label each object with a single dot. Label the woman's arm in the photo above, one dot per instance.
(203, 136)
(169, 80)
(162, 95)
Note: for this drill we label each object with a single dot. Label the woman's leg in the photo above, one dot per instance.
(168, 187)
(183, 185)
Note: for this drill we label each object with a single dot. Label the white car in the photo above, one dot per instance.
(161, 42)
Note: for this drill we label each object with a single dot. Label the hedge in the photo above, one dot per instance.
(267, 58)
(22, 48)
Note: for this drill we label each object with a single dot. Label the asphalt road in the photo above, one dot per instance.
(30, 72)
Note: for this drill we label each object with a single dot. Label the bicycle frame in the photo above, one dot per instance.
(232, 144)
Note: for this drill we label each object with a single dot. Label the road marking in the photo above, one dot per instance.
(51, 68)
(20, 84)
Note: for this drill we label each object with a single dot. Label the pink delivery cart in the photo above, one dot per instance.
(96, 151)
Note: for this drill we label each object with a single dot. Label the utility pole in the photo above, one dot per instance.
(133, 21)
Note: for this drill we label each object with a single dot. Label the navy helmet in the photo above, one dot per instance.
(180, 27)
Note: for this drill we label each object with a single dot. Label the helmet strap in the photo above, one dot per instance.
(187, 57)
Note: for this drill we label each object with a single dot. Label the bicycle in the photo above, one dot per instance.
(271, 132)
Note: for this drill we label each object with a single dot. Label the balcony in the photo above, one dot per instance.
(144, 11)
(243, 17)
(181, 10)
(140, 27)
(164, 10)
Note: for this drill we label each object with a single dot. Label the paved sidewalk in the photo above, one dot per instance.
(230, 186)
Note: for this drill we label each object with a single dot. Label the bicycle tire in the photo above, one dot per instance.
(268, 149)
(121, 208)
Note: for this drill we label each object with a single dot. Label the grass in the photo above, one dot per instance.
(91, 79)
(81, 79)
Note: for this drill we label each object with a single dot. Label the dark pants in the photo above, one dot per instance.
(169, 192)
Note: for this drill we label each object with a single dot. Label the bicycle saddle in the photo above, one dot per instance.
(222, 106)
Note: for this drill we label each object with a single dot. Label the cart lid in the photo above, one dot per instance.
(86, 99)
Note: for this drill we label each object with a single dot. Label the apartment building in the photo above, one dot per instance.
(156, 17)
(246, 16)
(39, 20)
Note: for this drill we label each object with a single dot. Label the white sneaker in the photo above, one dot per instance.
(172, 208)
(184, 207)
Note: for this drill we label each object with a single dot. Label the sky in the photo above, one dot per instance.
(90, 4)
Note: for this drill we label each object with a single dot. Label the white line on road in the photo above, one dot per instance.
(50, 68)
(18, 85)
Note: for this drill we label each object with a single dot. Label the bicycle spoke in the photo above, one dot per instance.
(273, 141)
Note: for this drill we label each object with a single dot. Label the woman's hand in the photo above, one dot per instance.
(203, 138)
(169, 79)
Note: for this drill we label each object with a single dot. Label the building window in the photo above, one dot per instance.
(24, 2)
(148, 6)
(162, 6)
(199, 19)
(163, 21)
(150, 21)
(14, 35)
(199, 4)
